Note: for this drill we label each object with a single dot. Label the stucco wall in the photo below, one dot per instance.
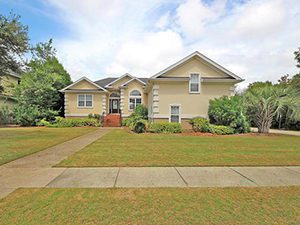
(134, 85)
(83, 85)
(118, 83)
(192, 105)
(195, 65)
(73, 110)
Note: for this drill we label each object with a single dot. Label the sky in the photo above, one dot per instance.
(100, 38)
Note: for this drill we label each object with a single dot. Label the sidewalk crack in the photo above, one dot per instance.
(115, 183)
(186, 183)
(243, 176)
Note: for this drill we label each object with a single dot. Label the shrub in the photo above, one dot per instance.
(27, 116)
(137, 121)
(140, 111)
(78, 122)
(165, 127)
(6, 115)
(200, 124)
(140, 126)
(44, 122)
(221, 130)
(31, 115)
(229, 111)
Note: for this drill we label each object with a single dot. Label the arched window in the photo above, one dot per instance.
(135, 99)
(114, 95)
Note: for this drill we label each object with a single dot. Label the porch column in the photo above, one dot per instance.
(65, 103)
(122, 101)
(155, 99)
(104, 104)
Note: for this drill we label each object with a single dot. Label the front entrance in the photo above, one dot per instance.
(115, 106)
(114, 103)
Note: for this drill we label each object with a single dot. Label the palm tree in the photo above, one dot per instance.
(270, 101)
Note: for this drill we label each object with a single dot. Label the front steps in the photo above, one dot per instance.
(112, 120)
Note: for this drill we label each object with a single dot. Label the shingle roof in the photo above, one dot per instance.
(106, 81)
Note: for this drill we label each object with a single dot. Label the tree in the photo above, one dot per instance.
(40, 85)
(297, 57)
(268, 102)
(44, 58)
(13, 44)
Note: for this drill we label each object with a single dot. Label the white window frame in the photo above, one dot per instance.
(199, 86)
(85, 107)
(170, 111)
(135, 98)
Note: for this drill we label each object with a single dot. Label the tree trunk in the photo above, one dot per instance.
(264, 121)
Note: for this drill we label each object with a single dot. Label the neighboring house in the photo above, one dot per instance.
(8, 83)
(176, 94)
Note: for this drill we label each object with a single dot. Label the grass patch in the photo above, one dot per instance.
(19, 142)
(121, 148)
(152, 206)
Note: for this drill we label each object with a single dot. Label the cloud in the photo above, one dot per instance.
(254, 39)
(146, 56)
(193, 16)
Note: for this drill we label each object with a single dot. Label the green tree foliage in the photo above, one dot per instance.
(297, 57)
(13, 44)
(269, 102)
(40, 84)
(229, 111)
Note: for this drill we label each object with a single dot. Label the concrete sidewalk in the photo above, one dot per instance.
(35, 170)
(145, 177)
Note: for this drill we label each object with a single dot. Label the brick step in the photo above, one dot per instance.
(112, 120)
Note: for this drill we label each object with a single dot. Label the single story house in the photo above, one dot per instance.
(176, 94)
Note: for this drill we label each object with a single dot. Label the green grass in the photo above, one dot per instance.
(19, 142)
(120, 148)
(152, 206)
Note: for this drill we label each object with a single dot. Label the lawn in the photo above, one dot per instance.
(19, 142)
(152, 206)
(121, 148)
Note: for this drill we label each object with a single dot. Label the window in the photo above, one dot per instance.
(194, 83)
(85, 100)
(135, 99)
(174, 114)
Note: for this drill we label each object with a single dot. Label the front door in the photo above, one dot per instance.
(115, 106)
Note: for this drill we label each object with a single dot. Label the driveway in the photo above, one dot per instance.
(275, 131)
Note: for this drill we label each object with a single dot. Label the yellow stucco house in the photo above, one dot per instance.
(8, 82)
(176, 94)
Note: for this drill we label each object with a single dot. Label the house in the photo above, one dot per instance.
(8, 83)
(176, 94)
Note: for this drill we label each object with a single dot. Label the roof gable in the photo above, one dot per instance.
(201, 57)
(133, 79)
(88, 85)
(119, 79)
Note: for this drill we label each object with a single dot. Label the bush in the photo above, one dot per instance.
(165, 127)
(44, 122)
(200, 124)
(229, 111)
(78, 122)
(221, 130)
(6, 116)
(31, 115)
(137, 121)
(140, 126)
(140, 111)
(27, 116)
